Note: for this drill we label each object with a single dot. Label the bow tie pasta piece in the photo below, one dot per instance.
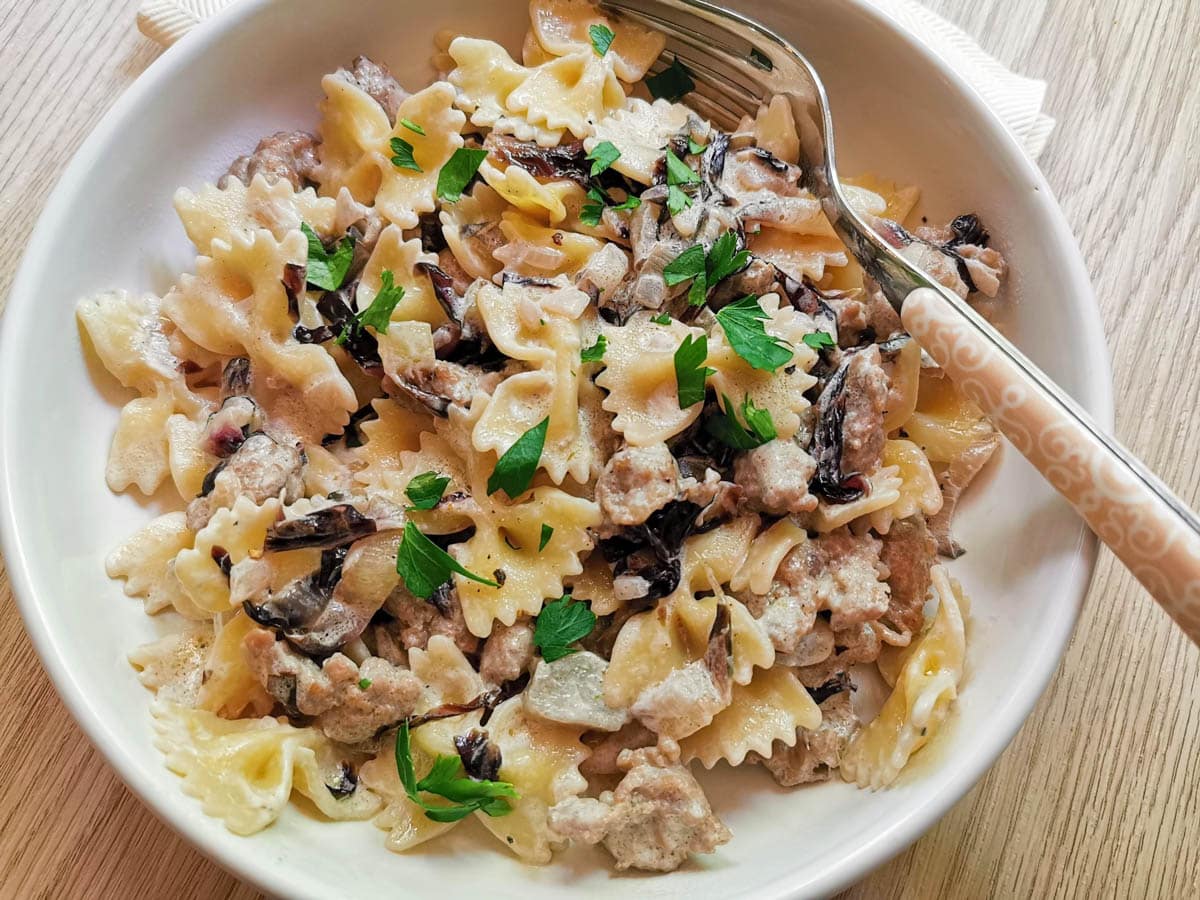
(920, 701)
(716, 555)
(395, 430)
(143, 561)
(798, 255)
(541, 760)
(173, 665)
(230, 689)
(215, 213)
(485, 75)
(239, 531)
(898, 201)
(527, 194)
(572, 92)
(639, 376)
(352, 128)
(128, 332)
(187, 456)
(404, 821)
(529, 576)
(919, 490)
(766, 553)
(471, 228)
(770, 708)
(641, 131)
(446, 672)
(774, 129)
(884, 491)
(533, 249)
(538, 325)
(403, 193)
(561, 28)
(435, 454)
(782, 391)
(236, 303)
(243, 771)
(400, 257)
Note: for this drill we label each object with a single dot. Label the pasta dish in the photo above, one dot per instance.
(538, 446)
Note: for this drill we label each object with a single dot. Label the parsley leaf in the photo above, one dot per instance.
(602, 156)
(364, 683)
(424, 567)
(547, 533)
(662, 319)
(690, 370)
(678, 172)
(379, 314)
(743, 323)
(819, 340)
(561, 623)
(671, 83)
(594, 353)
(402, 155)
(677, 200)
(590, 213)
(723, 261)
(630, 202)
(514, 470)
(688, 264)
(457, 173)
(602, 38)
(425, 490)
(412, 126)
(467, 795)
(695, 148)
(726, 428)
(327, 270)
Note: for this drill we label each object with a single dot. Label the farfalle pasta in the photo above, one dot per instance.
(534, 442)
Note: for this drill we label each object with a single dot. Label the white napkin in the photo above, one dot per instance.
(1017, 100)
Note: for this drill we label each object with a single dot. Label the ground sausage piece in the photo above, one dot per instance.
(774, 478)
(953, 481)
(608, 746)
(289, 156)
(908, 551)
(375, 79)
(816, 753)
(349, 703)
(636, 482)
(438, 385)
(866, 394)
(653, 820)
(508, 652)
(260, 468)
(837, 572)
(415, 621)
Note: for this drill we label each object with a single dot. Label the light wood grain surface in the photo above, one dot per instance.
(1098, 796)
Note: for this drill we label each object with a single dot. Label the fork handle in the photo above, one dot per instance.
(1149, 529)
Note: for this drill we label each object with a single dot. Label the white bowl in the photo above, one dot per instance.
(256, 68)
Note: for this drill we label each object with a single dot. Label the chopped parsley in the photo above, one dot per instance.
(819, 340)
(602, 156)
(364, 683)
(327, 269)
(672, 83)
(743, 323)
(413, 126)
(662, 319)
(690, 371)
(678, 174)
(457, 173)
(726, 428)
(402, 155)
(594, 353)
(425, 490)
(561, 623)
(424, 567)
(514, 470)
(602, 37)
(379, 314)
(705, 269)
(547, 533)
(445, 779)
(695, 148)
(592, 211)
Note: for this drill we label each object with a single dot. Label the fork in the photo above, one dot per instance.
(738, 64)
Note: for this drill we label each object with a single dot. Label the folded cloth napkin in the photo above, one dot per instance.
(1017, 100)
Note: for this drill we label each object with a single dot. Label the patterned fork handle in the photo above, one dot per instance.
(1147, 527)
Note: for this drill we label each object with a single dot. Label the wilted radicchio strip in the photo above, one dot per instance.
(652, 550)
(333, 526)
(827, 443)
(563, 161)
(480, 757)
(359, 343)
(835, 685)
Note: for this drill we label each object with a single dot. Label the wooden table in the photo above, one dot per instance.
(1098, 796)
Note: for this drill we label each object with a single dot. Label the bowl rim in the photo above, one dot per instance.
(1096, 397)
